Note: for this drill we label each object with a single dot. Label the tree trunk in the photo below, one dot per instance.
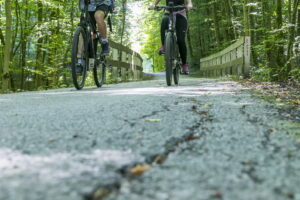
(269, 46)
(2, 42)
(7, 48)
(216, 23)
(124, 5)
(252, 35)
(293, 17)
(24, 35)
(39, 57)
(246, 18)
(280, 45)
(229, 24)
(298, 22)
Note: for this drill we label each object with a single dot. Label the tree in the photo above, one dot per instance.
(7, 47)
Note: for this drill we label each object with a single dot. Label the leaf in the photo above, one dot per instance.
(159, 159)
(296, 102)
(138, 137)
(51, 140)
(152, 120)
(203, 112)
(208, 105)
(100, 193)
(140, 169)
(194, 107)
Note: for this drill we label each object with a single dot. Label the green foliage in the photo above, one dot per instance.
(43, 32)
(153, 42)
(261, 73)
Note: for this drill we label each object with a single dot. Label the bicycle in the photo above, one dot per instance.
(172, 57)
(85, 52)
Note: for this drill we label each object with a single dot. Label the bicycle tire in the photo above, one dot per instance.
(176, 74)
(169, 57)
(79, 78)
(177, 66)
(99, 66)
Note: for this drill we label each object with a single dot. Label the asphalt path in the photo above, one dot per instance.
(204, 139)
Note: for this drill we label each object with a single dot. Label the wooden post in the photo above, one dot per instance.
(247, 52)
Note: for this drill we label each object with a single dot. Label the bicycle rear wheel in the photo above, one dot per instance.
(176, 74)
(177, 66)
(100, 65)
(169, 57)
(80, 59)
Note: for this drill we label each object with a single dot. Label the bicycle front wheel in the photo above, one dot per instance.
(176, 73)
(100, 65)
(80, 59)
(169, 57)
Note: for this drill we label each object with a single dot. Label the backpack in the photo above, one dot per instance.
(111, 7)
(81, 5)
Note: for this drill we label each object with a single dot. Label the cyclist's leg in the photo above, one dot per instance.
(181, 28)
(80, 54)
(100, 16)
(163, 28)
(80, 47)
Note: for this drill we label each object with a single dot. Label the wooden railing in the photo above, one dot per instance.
(234, 60)
(124, 63)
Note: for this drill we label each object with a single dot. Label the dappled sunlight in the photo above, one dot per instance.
(60, 165)
(4, 100)
(159, 89)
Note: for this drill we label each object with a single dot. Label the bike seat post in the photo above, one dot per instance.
(171, 4)
(171, 19)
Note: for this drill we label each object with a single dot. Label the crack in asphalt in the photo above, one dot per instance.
(251, 174)
(171, 145)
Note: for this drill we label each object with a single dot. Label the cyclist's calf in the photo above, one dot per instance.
(100, 16)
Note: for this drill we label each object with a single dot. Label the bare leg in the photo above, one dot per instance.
(99, 16)
(80, 46)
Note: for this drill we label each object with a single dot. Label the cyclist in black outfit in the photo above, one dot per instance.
(181, 28)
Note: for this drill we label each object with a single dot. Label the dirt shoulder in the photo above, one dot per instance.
(284, 96)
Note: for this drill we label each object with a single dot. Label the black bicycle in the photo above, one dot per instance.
(87, 52)
(172, 57)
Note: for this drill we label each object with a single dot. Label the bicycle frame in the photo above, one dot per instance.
(90, 31)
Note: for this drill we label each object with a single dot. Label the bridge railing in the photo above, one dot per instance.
(124, 63)
(234, 60)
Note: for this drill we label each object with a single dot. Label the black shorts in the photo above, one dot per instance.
(103, 8)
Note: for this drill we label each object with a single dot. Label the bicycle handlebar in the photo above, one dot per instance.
(158, 8)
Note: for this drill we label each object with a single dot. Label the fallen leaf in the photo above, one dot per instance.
(159, 159)
(194, 107)
(14, 115)
(51, 140)
(218, 195)
(192, 137)
(287, 115)
(208, 105)
(296, 102)
(203, 112)
(138, 137)
(152, 120)
(100, 193)
(140, 169)
(272, 129)
(193, 99)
